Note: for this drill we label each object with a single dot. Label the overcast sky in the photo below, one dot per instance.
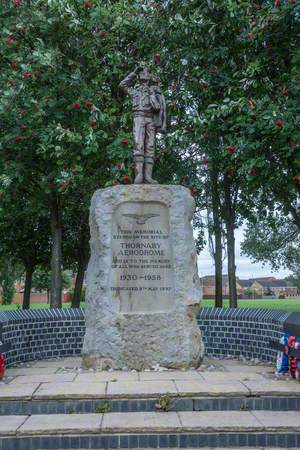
(244, 267)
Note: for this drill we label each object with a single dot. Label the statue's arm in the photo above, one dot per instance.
(128, 82)
(154, 101)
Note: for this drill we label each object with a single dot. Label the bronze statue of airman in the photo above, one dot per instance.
(149, 117)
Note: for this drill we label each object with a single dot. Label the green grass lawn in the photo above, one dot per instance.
(292, 304)
(34, 306)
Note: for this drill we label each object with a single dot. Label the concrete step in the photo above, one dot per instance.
(54, 405)
(152, 422)
(87, 389)
(233, 429)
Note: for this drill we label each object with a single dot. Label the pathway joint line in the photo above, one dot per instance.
(177, 392)
(76, 375)
(180, 421)
(17, 430)
(201, 376)
(37, 388)
(248, 389)
(252, 412)
(101, 422)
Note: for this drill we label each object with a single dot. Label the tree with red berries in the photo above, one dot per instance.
(65, 129)
(230, 73)
(238, 102)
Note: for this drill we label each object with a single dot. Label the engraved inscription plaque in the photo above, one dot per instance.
(142, 277)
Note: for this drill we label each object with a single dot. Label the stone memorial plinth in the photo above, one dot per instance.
(142, 282)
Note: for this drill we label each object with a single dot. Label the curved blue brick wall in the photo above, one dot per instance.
(241, 332)
(50, 333)
(41, 333)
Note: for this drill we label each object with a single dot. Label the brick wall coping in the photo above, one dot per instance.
(264, 315)
(38, 314)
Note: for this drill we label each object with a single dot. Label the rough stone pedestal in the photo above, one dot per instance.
(142, 282)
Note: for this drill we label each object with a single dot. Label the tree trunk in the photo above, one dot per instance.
(218, 238)
(231, 266)
(218, 270)
(27, 288)
(78, 284)
(56, 253)
(82, 263)
(229, 216)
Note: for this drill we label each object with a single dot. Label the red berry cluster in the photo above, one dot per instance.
(279, 123)
(157, 58)
(88, 104)
(9, 40)
(193, 191)
(230, 169)
(126, 179)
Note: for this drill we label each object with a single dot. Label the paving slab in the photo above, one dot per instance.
(17, 391)
(273, 387)
(30, 371)
(147, 422)
(44, 378)
(70, 390)
(61, 424)
(230, 376)
(141, 388)
(231, 365)
(106, 376)
(219, 421)
(10, 424)
(210, 388)
(62, 362)
(137, 422)
(171, 375)
(279, 420)
(212, 362)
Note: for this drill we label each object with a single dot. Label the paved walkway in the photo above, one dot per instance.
(64, 378)
(152, 422)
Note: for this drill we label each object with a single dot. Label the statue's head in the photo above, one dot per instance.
(144, 75)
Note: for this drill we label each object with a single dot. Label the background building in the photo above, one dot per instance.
(251, 288)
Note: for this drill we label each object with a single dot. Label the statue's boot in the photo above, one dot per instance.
(139, 165)
(148, 171)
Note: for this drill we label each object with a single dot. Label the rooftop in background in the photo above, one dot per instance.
(261, 286)
(209, 280)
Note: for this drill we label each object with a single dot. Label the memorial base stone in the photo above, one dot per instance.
(143, 289)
